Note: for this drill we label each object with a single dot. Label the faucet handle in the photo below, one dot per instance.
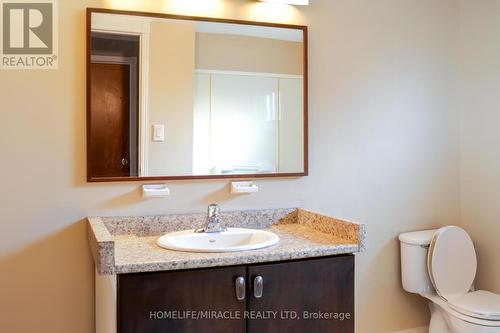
(213, 210)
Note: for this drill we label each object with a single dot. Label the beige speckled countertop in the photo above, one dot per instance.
(128, 244)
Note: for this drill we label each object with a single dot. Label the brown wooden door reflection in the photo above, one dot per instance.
(299, 296)
(110, 120)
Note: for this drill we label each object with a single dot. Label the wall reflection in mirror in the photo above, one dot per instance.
(174, 97)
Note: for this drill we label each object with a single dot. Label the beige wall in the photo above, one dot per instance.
(171, 86)
(248, 54)
(383, 150)
(384, 135)
(480, 160)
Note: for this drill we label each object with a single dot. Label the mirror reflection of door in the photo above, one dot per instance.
(114, 105)
(177, 97)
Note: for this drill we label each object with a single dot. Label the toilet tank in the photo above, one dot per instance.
(414, 249)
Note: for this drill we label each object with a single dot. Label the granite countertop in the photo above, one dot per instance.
(122, 245)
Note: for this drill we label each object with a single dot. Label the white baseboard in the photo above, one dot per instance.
(423, 329)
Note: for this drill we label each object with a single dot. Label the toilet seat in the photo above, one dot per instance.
(451, 262)
(478, 304)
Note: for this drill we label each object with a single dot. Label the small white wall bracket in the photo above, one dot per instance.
(155, 191)
(241, 187)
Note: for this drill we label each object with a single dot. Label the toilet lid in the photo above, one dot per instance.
(452, 262)
(478, 304)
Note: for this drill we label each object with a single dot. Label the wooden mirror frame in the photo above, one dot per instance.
(92, 179)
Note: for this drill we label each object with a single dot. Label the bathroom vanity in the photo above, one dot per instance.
(174, 97)
(303, 283)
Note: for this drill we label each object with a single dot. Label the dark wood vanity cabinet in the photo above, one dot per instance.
(313, 295)
(312, 289)
(146, 300)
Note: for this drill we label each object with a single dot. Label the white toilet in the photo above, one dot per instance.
(441, 266)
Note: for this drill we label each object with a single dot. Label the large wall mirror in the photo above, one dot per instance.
(174, 97)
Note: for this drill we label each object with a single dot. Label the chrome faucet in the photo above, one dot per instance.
(213, 220)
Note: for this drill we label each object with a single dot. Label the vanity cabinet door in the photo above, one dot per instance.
(147, 300)
(302, 296)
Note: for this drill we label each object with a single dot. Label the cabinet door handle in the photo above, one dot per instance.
(258, 286)
(239, 286)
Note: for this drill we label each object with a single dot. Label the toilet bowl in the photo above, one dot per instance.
(446, 320)
(440, 265)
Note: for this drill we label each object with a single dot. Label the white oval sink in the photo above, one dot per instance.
(232, 240)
